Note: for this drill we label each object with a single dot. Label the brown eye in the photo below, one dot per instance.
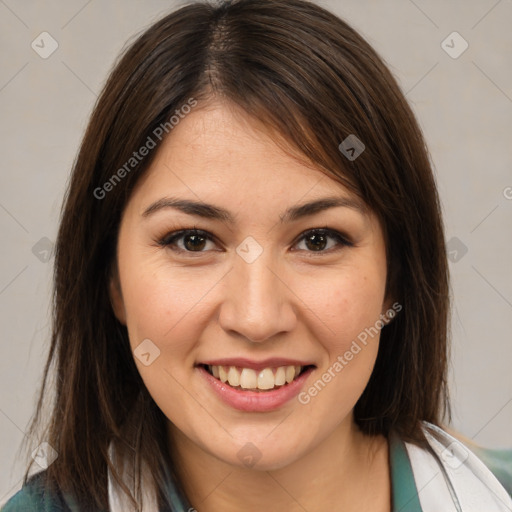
(316, 242)
(194, 242)
(188, 240)
(322, 240)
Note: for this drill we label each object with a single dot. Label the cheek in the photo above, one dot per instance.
(348, 311)
(167, 307)
(163, 303)
(346, 306)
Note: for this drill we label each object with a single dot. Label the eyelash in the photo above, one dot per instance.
(171, 238)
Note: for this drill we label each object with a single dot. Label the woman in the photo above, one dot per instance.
(251, 290)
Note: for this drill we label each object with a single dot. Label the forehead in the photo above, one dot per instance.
(217, 150)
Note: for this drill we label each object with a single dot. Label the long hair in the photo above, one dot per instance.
(314, 81)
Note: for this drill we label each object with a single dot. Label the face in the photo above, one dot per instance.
(249, 282)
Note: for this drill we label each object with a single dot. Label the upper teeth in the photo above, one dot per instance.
(247, 378)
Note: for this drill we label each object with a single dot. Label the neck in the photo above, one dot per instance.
(347, 471)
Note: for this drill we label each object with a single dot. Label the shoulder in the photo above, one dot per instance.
(34, 496)
(499, 462)
(456, 451)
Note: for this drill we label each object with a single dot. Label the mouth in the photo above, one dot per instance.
(256, 380)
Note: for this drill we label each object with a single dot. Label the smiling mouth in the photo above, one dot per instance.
(248, 379)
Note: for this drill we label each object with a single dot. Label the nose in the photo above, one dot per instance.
(257, 302)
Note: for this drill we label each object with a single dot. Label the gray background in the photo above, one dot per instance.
(464, 106)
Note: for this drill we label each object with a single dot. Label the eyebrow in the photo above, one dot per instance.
(209, 211)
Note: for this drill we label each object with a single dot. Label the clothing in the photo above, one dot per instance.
(448, 477)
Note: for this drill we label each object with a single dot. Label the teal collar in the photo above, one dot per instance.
(404, 491)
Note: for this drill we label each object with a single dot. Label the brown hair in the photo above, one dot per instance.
(310, 77)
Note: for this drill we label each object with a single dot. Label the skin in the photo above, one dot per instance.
(292, 302)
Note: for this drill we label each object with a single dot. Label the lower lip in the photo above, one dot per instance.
(255, 401)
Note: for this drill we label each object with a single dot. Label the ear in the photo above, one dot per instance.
(390, 309)
(386, 305)
(389, 303)
(116, 298)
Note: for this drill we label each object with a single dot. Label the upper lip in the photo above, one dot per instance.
(273, 362)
